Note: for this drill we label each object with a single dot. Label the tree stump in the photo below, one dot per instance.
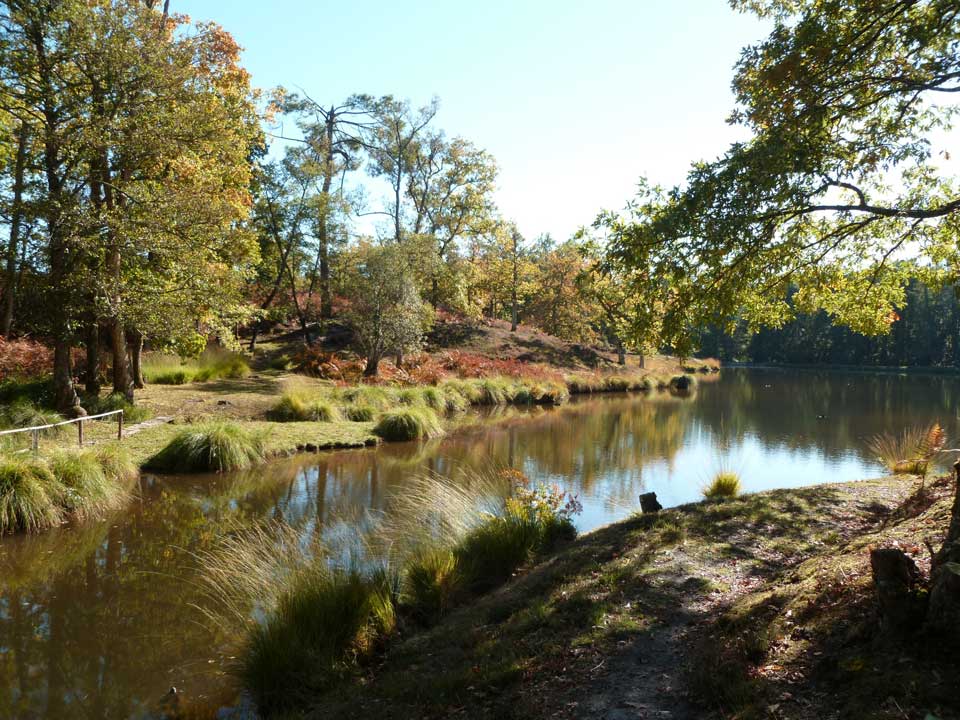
(899, 584)
(649, 503)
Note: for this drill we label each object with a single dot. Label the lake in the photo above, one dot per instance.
(99, 620)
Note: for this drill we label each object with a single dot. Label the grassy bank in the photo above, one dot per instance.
(316, 613)
(708, 610)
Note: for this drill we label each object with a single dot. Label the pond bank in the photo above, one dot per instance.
(636, 619)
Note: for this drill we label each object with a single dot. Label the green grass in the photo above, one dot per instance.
(359, 413)
(37, 493)
(26, 413)
(302, 648)
(723, 486)
(163, 369)
(414, 423)
(433, 584)
(297, 406)
(116, 401)
(30, 496)
(210, 447)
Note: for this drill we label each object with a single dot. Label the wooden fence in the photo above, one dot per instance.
(35, 431)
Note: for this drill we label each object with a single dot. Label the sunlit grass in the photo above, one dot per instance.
(911, 451)
(210, 447)
(164, 369)
(724, 485)
(413, 423)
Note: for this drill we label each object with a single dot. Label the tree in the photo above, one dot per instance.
(385, 309)
(450, 185)
(839, 179)
(391, 141)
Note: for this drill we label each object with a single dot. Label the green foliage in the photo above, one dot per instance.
(30, 495)
(212, 365)
(723, 486)
(295, 406)
(801, 209)
(210, 447)
(24, 413)
(415, 423)
(359, 413)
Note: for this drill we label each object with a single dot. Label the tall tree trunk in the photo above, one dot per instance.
(373, 365)
(91, 375)
(621, 353)
(399, 359)
(323, 251)
(122, 381)
(16, 220)
(135, 343)
(642, 362)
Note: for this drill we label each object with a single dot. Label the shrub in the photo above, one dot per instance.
(24, 358)
(409, 424)
(723, 486)
(30, 496)
(205, 447)
(303, 646)
(432, 584)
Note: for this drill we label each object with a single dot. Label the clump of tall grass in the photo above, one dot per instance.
(210, 447)
(541, 393)
(366, 395)
(433, 583)
(911, 451)
(413, 423)
(38, 493)
(30, 496)
(359, 413)
(724, 485)
(295, 406)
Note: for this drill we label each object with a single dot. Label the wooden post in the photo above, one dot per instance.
(80, 432)
(120, 425)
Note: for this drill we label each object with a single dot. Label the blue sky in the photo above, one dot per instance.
(576, 100)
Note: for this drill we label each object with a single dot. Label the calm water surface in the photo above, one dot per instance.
(98, 621)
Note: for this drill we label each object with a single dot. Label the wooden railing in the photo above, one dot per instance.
(35, 431)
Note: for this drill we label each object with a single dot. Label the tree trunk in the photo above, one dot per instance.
(621, 354)
(373, 366)
(91, 376)
(16, 220)
(944, 612)
(642, 364)
(135, 342)
(399, 359)
(122, 382)
(65, 394)
(898, 583)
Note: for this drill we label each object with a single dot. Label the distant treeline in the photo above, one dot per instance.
(927, 334)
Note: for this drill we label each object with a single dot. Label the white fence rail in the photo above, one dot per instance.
(36, 430)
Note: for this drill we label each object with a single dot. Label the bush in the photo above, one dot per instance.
(723, 486)
(325, 618)
(210, 447)
(409, 424)
(30, 495)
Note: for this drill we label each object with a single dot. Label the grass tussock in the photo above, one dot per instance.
(210, 447)
(414, 423)
(26, 413)
(911, 451)
(295, 406)
(116, 401)
(723, 486)
(38, 493)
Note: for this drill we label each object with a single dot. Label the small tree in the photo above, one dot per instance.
(386, 311)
